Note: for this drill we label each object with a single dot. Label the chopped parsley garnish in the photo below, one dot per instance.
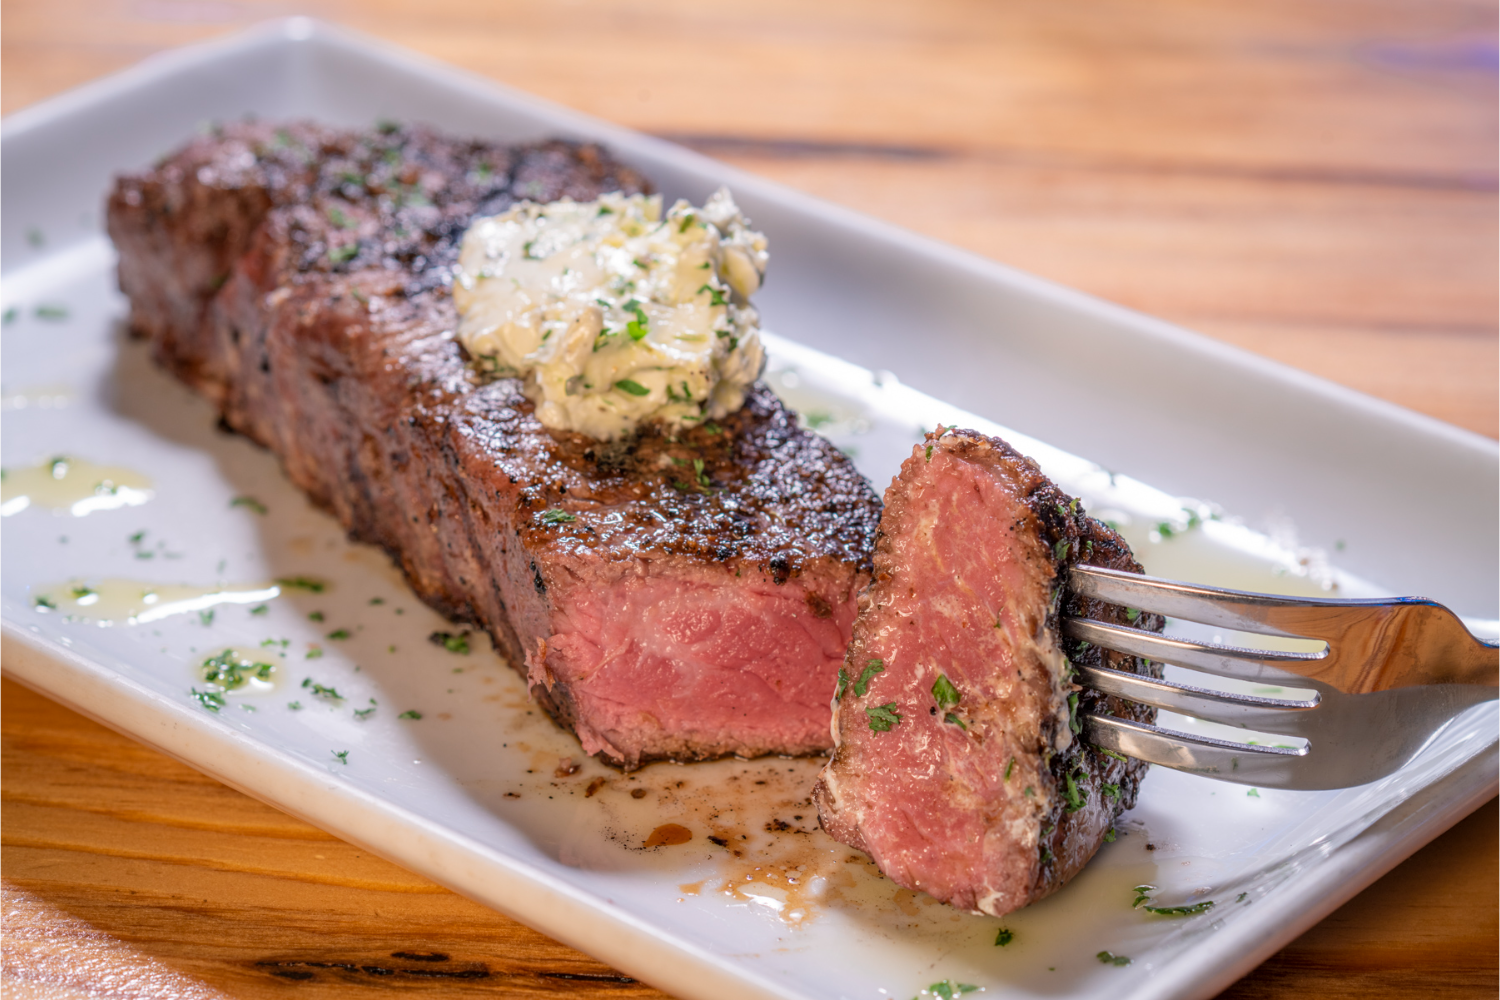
(713, 428)
(206, 618)
(954, 720)
(82, 592)
(254, 505)
(929, 453)
(315, 653)
(1060, 550)
(871, 669)
(302, 583)
(1131, 614)
(946, 694)
(557, 516)
(315, 616)
(51, 312)
(10, 315)
(1143, 896)
(843, 684)
(377, 600)
(364, 713)
(687, 220)
(1009, 768)
(341, 755)
(1241, 897)
(1030, 792)
(229, 672)
(1110, 753)
(410, 713)
(1073, 722)
(883, 717)
(339, 634)
(632, 387)
(716, 297)
(703, 480)
(453, 642)
(1181, 911)
(1004, 937)
(637, 328)
(295, 706)
(1253, 793)
(319, 691)
(948, 989)
(1076, 796)
(1110, 958)
(1109, 835)
(1111, 792)
(211, 700)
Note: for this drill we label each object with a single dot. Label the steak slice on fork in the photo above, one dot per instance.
(957, 766)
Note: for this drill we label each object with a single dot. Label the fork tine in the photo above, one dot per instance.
(1227, 661)
(1291, 717)
(1275, 767)
(1267, 614)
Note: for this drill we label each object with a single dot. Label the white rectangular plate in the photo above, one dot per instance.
(471, 794)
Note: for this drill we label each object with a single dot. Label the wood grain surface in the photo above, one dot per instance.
(1313, 182)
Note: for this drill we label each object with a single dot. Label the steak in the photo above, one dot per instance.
(956, 764)
(675, 595)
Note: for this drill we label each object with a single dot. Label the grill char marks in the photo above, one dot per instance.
(296, 276)
(980, 794)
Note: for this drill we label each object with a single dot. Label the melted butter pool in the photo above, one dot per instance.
(74, 485)
(117, 601)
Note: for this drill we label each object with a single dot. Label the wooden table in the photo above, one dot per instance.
(1313, 183)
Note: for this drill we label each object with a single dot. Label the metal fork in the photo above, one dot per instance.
(1394, 673)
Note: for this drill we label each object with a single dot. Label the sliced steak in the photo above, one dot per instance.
(298, 277)
(956, 764)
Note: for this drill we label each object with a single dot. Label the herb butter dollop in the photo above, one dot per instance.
(613, 313)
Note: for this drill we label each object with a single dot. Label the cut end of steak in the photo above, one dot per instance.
(668, 615)
(676, 595)
(956, 765)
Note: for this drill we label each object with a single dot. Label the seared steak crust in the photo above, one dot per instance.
(661, 608)
(977, 793)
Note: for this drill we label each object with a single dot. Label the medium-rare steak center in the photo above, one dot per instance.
(677, 593)
(957, 766)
